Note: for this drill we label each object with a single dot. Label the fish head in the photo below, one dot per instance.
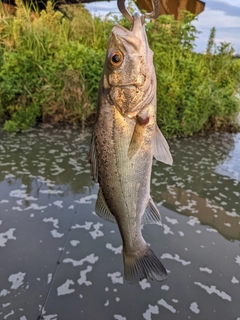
(129, 72)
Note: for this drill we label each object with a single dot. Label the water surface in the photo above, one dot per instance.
(61, 261)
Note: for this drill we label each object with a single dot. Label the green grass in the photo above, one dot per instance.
(51, 63)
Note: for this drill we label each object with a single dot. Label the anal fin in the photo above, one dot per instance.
(151, 214)
(102, 209)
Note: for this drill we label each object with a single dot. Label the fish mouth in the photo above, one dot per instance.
(137, 30)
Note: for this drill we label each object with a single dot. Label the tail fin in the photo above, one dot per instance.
(145, 266)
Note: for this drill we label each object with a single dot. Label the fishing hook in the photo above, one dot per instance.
(152, 15)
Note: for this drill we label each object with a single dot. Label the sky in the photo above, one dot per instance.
(222, 14)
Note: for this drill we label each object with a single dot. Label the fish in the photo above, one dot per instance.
(125, 137)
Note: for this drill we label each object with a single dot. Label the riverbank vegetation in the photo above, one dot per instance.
(51, 63)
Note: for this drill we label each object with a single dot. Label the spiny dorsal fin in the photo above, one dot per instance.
(160, 146)
(102, 209)
(151, 214)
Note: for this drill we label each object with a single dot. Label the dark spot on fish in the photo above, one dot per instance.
(142, 121)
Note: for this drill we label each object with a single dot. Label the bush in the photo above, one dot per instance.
(51, 63)
(195, 92)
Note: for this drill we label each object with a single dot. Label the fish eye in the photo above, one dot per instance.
(116, 59)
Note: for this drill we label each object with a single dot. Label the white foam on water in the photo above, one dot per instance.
(18, 193)
(87, 199)
(144, 284)
(232, 214)
(16, 279)
(234, 280)
(119, 317)
(238, 259)
(8, 315)
(49, 191)
(97, 233)
(116, 277)
(176, 258)
(49, 278)
(9, 176)
(151, 310)
(23, 318)
(172, 221)
(205, 270)
(56, 234)
(227, 224)
(4, 201)
(5, 236)
(117, 250)
(194, 307)
(211, 230)
(86, 226)
(192, 221)
(17, 208)
(54, 221)
(71, 207)
(64, 288)
(90, 258)
(106, 303)
(74, 243)
(58, 203)
(165, 287)
(189, 207)
(181, 233)
(175, 300)
(50, 317)
(35, 206)
(57, 169)
(163, 303)
(4, 292)
(83, 277)
(117, 299)
(167, 230)
(4, 305)
(213, 289)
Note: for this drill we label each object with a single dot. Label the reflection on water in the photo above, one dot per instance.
(60, 260)
(204, 182)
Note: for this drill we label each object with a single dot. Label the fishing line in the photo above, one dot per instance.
(40, 315)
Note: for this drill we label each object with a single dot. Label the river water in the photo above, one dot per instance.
(59, 260)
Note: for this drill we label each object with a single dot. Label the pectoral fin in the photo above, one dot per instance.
(151, 214)
(93, 159)
(102, 209)
(160, 146)
(137, 137)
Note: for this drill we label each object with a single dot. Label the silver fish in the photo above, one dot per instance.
(125, 138)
